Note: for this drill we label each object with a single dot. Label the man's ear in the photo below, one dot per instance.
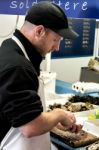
(40, 31)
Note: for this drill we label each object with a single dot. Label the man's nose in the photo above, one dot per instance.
(56, 47)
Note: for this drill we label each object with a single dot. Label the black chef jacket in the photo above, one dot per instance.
(19, 101)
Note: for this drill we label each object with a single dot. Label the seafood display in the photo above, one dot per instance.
(69, 106)
(88, 98)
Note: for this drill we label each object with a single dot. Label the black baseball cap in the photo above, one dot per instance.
(50, 16)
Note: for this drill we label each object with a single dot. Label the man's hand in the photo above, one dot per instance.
(75, 128)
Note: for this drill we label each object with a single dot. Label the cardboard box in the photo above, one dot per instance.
(88, 75)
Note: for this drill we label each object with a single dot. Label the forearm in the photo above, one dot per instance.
(51, 119)
(43, 123)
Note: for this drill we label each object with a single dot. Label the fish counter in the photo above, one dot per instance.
(86, 110)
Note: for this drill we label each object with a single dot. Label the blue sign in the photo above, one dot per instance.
(73, 8)
(82, 46)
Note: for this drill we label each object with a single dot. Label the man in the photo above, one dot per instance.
(23, 124)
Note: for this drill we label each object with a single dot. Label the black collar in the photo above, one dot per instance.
(33, 54)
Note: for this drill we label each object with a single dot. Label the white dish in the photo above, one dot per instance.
(92, 127)
(87, 112)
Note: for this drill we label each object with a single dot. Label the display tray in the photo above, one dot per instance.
(68, 143)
